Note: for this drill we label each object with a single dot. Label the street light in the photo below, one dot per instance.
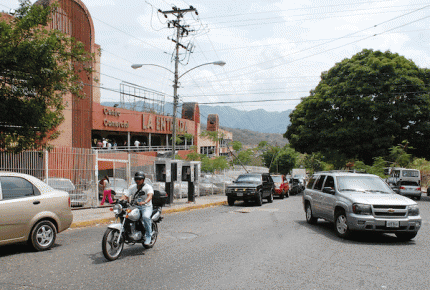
(175, 92)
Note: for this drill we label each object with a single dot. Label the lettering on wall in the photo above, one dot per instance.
(162, 123)
(116, 124)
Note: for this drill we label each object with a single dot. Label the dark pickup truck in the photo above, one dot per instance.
(251, 187)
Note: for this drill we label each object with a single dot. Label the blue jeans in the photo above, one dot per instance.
(146, 212)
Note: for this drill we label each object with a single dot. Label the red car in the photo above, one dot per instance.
(282, 188)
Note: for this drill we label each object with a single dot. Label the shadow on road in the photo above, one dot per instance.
(128, 251)
(21, 248)
(371, 238)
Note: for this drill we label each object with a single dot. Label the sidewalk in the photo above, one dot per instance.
(102, 215)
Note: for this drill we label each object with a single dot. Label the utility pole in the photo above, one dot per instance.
(180, 32)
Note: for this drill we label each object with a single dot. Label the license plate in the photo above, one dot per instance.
(240, 194)
(392, 224)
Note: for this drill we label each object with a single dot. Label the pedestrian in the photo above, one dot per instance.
(107, 192)
(104, 143)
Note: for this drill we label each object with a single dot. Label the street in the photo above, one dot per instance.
(239, 247)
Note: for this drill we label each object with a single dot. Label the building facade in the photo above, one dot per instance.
(90, 124)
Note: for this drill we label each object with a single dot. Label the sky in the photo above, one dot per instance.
(275, 51)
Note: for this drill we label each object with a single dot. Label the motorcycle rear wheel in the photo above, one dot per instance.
(111, 249)
(154, 236)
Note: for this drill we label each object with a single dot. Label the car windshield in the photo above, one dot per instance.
(249, 178)
(362, 184)
(277, 179)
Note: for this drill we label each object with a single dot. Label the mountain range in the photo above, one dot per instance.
(256, 120)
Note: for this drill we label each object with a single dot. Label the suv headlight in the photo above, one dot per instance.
(363, 209)
(413, 210)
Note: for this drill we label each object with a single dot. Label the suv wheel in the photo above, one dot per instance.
(270, 198)
(309, 217)
(341, 225)
(230, 201)
(281, 196)
(259, 199)
(287, 195)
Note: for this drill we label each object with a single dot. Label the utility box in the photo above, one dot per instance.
(168, 171)
(188, 172)
(163, 171)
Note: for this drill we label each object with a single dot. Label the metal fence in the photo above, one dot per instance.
(78, 171)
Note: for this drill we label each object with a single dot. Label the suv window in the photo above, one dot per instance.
(329, 182)
(311, 182)
(17, 187)
(320, 182)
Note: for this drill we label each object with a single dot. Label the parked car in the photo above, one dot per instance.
(32, 211)
(296, 186)
(282, 188)
(78, 198)
(251, 187)
(360, 202)
(408, 188)
(207, 187)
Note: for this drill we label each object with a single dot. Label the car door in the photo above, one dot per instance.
(267, 184)
(328, 200)
(317, 196)
(19, 203)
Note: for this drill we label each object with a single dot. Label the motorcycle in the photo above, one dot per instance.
(130, 229)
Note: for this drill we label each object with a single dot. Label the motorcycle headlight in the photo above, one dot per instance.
(413, 210)
(363, 209)
(117, 209)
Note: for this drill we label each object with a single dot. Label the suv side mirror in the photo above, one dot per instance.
(328, 190)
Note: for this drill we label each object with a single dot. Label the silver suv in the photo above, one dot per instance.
(360, 202)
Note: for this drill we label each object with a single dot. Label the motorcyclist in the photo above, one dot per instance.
(142, 193)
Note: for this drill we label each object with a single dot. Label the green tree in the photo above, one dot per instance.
(280, 160)
(398, 155)
(236, 145)
(37, 67)
(363, 106)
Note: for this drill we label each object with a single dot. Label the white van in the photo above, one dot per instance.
(403, 174)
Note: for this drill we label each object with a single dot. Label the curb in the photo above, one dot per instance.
(165, 211)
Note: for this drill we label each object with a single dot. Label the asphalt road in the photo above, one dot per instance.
(239, 247)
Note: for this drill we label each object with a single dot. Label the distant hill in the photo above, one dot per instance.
(252, 138)
(256, 120)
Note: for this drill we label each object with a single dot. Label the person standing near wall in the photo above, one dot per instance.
(103, 185)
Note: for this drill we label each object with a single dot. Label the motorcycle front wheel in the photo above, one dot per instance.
(153, 237)
(110, 245)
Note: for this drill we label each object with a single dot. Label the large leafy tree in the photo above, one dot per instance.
(37, 67)
(363, 106)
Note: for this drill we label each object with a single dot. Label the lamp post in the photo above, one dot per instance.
(175, 92)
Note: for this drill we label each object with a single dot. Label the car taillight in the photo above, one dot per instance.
(401, 187)
(419, 188)
(70, 202)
